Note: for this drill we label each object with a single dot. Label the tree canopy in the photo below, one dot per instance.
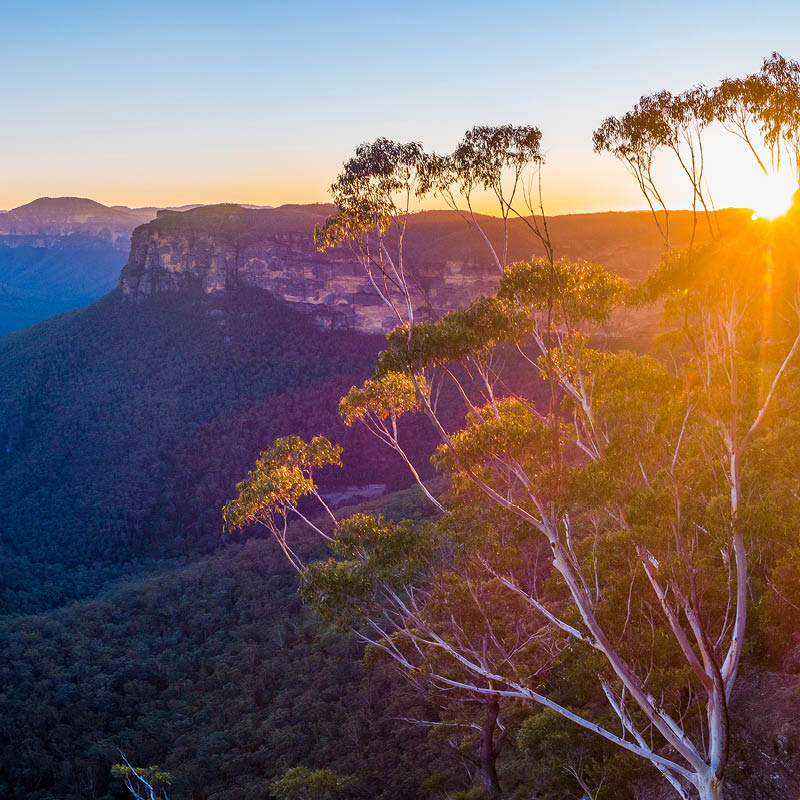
(594, 558)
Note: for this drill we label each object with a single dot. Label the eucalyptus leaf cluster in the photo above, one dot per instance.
(369, 557)
(458, 335)
(282, 476)
(391, 395)
(576, 291)
(305, 783)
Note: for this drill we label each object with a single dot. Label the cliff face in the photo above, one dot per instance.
(274, 250)
(217, 248)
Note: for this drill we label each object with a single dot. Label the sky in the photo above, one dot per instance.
(179, 102)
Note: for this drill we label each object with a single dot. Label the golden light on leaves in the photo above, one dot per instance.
(772, 194)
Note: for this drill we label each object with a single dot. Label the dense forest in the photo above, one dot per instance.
(125, 426)
(216, 673)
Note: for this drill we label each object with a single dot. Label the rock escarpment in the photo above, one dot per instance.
(220, 248)
(764, 762)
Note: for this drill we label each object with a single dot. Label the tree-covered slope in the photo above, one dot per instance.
(215, 673)
(124, 427)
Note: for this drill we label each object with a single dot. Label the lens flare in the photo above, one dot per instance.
(772, 194)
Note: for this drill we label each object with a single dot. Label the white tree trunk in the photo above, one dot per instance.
(709, 787)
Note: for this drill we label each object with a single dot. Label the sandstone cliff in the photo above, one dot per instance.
(218, 248)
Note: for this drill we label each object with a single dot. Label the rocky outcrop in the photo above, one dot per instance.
(219, 248)
(764, 762)
(765, 720)
(274, 250)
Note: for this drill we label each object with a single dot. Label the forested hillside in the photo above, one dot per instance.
(214, 672)
(125, 426)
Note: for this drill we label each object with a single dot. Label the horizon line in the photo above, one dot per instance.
(270, 207)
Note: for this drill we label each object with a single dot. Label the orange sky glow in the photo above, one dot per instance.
(260, 102)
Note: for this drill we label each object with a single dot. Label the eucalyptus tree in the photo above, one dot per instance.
(618, 520)
(380, 185)
(143, 783)
(761, 109)
(505, 162)
(773, 96)
(375, 194)
(634, 138)
(402, 588)
(736, 108)
(667, 121)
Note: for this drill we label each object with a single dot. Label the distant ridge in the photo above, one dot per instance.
(148, 213)
(56, 214)
(64, 215)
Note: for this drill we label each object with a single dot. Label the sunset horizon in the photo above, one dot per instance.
(268, 125)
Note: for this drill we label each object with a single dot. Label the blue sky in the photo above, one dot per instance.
(260, 102)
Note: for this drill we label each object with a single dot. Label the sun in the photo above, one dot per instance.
(772, 195)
